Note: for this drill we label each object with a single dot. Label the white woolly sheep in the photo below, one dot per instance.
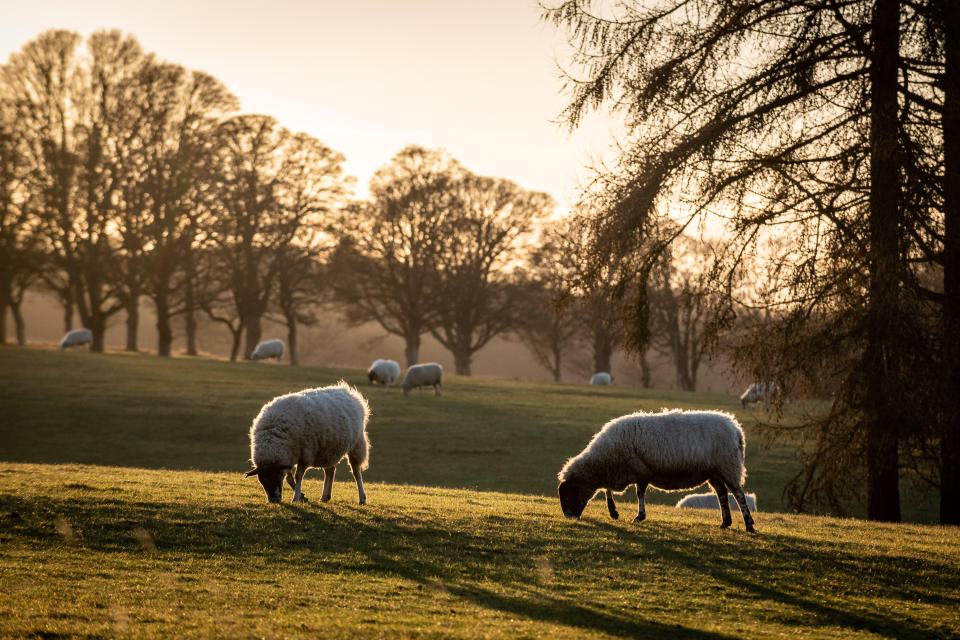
(669, 450)
(310, 428)
(428, 374)
(76, 338)
(385, 372)
(268, 349)
(709, 501)
(601, 378)
(758, 391)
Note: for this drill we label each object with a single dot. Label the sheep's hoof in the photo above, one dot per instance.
(324, 498)
(750, 529)
(363, 501)
(725, 525)
(615, 515)
(640, 517)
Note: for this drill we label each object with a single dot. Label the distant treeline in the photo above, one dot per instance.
(125, 178)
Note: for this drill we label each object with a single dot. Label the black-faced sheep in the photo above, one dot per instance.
(758, 391)
(428, 374)
(310, 428)
(385, 372)
(670, 450)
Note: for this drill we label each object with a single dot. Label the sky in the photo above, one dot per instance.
(368, 77)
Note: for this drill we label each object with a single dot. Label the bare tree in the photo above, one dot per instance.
(550, 322)
(268, 185)
(385, 267)
(482, 237)
(679, 305)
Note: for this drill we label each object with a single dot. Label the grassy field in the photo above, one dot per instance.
(156, 533)
(484, 433)
(91, 551)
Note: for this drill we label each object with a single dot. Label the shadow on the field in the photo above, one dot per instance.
(530, 575)
(813, 567)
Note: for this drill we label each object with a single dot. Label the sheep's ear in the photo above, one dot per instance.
(252, 472)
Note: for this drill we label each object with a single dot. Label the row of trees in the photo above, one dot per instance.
(827, 135)
(126, 179)
(123, 177)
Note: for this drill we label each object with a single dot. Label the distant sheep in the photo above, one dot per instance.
(385, 372)
(268, 349)
(601, 378)
(428, 374)
(669, 450)
(758, 391)
(310, 428)
(76, 338)
(709, 501)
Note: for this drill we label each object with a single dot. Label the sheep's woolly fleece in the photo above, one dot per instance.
(423, 375)
(663, 443)
(384, 371)
(315, 427)
(710, 501)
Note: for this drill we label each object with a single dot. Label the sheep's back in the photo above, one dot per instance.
(318, 426)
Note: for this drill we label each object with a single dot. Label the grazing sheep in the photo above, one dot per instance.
(385, 372)
(428, 374)
(76, 338)
(669, 450)
(268, 349)
(709, 501)
(310, 428)
(602, 379)
(758, 391)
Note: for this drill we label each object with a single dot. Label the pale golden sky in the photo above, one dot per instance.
(477, 77)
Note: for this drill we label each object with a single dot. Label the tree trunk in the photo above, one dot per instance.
(645, 373)
(882, 362)
(253, 330)
(67, 315)
(3, 322)
(412, 350)
(190, 317)
(950, 438)
(292, 341)
(190, 327)
(133, 322)
(164, 327)
(235, 347)
(98, 327)
(21, 326)
(462, 360)
(557, 362)
(602, 349)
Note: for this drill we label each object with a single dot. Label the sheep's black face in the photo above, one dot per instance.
(573, 498)
(271, 479)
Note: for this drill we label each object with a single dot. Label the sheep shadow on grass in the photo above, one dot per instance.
(491, 561)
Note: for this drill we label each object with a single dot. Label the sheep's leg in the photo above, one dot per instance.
(744, 510)
(641, 508)
(355, 465)
(328, 473)
(436, 389)
(298, 483)
(721, 490)
(611, 505)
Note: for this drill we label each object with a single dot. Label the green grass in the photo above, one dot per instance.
(103, 551)
(157, 534)
(483, 433)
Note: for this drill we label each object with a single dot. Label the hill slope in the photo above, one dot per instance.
(483, 433)
(99, 551)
